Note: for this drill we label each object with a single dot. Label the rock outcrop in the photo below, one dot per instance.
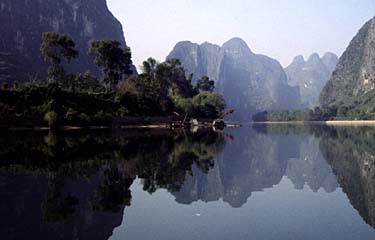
(311, 76)
(353, 82)
(249, 82)
(24, 21)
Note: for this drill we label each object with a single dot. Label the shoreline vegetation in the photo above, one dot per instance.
(205, 125)
(162, 95)
(326, 114)
(134, 124)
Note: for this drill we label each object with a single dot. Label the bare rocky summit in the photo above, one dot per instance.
(311, 76)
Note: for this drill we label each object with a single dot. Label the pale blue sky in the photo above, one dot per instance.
(280, 29)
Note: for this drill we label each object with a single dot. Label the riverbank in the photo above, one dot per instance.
(328, 123)
(352, 123)
(118, 123)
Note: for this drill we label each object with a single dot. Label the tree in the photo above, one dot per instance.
(114, 60)
(163, 75)
(260, 117)
(86, 82)
(205, 84)
(173, 79)
(170, 76)
(184, 105)
(55, 47)
(141, 95)
(149, 76)
(149, 67)
(208, 105)
(318, 114)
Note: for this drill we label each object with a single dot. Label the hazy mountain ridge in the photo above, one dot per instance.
(24, 21)
(311, 76)
(249, 82)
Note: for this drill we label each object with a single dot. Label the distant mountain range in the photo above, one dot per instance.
(249, 82)
(311, 76)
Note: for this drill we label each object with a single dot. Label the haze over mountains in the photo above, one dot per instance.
(24, 21)
(249, 82)
(311, 76)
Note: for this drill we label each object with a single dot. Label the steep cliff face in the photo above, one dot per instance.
(24, 21)
(354, 76)
(249, 82)
(311, 76)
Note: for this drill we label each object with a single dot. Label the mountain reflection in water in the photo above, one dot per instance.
(78, 185)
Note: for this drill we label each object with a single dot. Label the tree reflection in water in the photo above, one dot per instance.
(76, 184)
(350, 153)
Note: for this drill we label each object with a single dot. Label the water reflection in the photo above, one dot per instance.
(76, 185)
(258, 161)
(351, 154)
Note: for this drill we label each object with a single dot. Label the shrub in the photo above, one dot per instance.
(84, 118)
(208, 105)
(71, 115)
(51, 118)
(184, 105)
(122, 112)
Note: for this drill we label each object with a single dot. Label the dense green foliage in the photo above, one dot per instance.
(352, 108)
(208, 105)
(318, 114)
(359, 108)
(163, 88)
(83, 100)
(36, 103)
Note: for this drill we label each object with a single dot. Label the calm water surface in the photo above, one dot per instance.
(255, 182)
